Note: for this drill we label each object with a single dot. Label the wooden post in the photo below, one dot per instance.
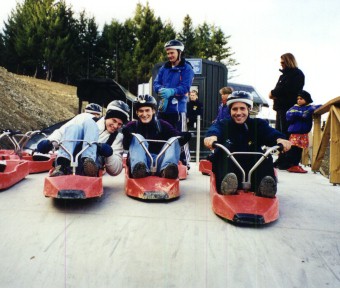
(334, 163)
(316, 136)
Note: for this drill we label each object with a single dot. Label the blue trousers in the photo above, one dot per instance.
(87, 131)
(137, 154)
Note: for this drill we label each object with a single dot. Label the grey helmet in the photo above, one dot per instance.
(119, 109)
(93, 108)
(145, 100)
(240, 96)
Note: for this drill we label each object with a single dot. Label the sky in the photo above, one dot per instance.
(261, 31)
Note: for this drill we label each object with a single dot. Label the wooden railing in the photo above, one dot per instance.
(329, 135)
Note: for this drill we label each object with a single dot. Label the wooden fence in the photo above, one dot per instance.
(329, 135)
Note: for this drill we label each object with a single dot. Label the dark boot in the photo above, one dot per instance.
(62, 167)
(139, 171)
(170, 171)
(90, 167)
(229, 184)
(267, 187)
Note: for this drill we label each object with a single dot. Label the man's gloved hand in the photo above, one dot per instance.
(185, 137)
(166, 92)
(104, 150)
(163, 104)
(44, 146)
(127, 138)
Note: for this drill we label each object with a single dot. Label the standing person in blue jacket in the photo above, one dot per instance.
(300, 121)
(241, 133)
(172, 84)
(223, 110)
(284, 97)
(147, 126)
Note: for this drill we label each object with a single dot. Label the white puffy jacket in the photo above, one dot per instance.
(114, 163)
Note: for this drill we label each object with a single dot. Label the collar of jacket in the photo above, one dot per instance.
(287, 69)
(180, 64)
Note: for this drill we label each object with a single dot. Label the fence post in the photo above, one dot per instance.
(198, 139)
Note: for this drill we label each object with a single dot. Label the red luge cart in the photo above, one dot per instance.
(74, 186)
(15, 171)
(154, 187)
(244, 207)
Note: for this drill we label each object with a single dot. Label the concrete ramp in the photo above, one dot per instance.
(117, 241)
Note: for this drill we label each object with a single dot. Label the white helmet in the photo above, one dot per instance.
(174, 44)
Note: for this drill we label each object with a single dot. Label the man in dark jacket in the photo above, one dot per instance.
(243, 134)
(148, 127)
(194, 108)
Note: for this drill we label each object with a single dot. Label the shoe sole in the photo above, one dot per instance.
(139, 171)
(170, 172)
(57, 172)
(229, 184)
(90, 168)
(268, 187)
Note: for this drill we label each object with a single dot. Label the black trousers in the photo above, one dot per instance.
(294, 155)
(223, 165)
(282, 126)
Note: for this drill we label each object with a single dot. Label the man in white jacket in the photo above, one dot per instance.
(86, 126)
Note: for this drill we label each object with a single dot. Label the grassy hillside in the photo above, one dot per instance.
(29, 104)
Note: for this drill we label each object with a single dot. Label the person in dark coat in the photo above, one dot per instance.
(147, 126)
(194, 108)
(284, 97)
(243, 134)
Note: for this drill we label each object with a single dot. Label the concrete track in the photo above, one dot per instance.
(117, 241)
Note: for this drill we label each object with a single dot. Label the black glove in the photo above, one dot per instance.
(127, 138)
(185, 137)
(44, 146)
(104, 150)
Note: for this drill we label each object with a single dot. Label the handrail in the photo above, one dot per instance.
(330, 135)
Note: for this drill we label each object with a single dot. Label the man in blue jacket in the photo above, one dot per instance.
(172, 84)
(243, 134)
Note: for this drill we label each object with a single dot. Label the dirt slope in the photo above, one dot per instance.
(29, 104)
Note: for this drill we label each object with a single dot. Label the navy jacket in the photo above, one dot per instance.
(223, 112)
(194, 108)
(156, 130)
(246, 137)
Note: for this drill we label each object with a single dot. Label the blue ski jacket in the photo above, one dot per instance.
(299, 118)
(179, 78)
